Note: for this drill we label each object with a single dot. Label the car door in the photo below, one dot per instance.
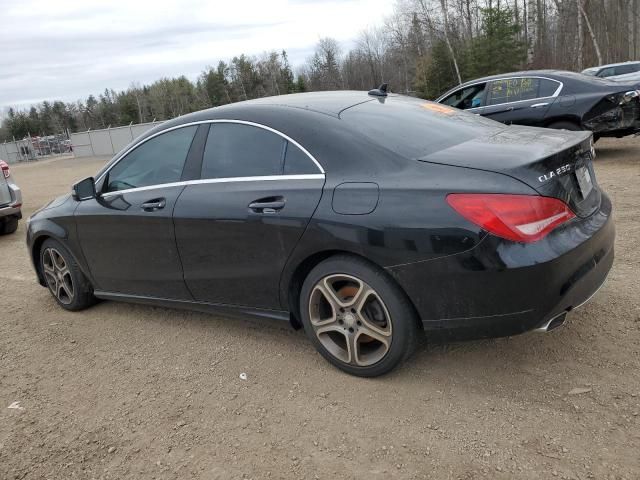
(470, 98)
(520, 100)
(236, 227)
(126, 232)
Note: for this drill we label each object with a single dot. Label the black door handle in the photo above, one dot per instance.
(267, 205)
(155, 204)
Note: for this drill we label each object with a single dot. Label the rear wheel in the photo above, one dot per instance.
(8, 225)
(357, 317)
(565, 125)
(65, 280)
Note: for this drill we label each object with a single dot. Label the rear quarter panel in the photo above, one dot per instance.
(412, 221)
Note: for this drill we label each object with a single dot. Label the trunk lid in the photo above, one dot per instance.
(555, 163)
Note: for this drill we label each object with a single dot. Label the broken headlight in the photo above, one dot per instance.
(628, 96)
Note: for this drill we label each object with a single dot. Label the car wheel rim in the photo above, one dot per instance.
(350, 319)
(58, 275)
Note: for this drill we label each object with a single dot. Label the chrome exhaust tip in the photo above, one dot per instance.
(552, 324)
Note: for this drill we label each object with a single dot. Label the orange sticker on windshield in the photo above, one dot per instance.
(436, 107)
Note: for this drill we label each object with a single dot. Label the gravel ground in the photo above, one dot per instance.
(127, 391)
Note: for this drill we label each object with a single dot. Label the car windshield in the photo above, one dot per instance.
(416, 128)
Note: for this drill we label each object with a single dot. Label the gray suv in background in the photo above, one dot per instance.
(10, 201)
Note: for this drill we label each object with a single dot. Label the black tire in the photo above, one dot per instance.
(402, 323)
(8, 225)
(565, 125)
(82, 292)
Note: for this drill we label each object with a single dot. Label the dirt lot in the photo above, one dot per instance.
(125, 391)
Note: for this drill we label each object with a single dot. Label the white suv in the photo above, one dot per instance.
(10, 201)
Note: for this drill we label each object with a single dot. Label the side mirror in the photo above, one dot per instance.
(84, 189)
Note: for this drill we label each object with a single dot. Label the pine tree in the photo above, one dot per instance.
(497, 49)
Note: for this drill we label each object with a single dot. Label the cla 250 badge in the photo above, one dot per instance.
(555, 173)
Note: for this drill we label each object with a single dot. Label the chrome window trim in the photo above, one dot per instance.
(555, 94)
(310, 176)
(201, 122)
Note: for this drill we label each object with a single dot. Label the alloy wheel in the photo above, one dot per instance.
(350, 320)
(58, 275)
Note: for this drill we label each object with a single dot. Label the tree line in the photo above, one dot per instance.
(422, 48)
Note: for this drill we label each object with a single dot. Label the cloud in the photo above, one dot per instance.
(68, 49)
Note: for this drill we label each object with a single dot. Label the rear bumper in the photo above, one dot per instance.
(502, 288)
(10, 211)
(12, 208)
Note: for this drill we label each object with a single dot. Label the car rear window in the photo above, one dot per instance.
(415, 128)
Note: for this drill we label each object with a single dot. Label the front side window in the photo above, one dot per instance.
(590, 71)
(465, 98)
(606, 72)
(155, 162)
(238, 150)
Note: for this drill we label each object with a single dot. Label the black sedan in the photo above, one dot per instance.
(364, 219)
(553, 99)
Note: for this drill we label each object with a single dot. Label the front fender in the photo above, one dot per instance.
(63, 231)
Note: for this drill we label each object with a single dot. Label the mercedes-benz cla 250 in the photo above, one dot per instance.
(365, 219)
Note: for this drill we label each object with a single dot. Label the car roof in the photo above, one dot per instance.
(600, 67)
(317, 122)
(328, 102)
(310, 119)
(524, 73)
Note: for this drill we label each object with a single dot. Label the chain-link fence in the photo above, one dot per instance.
(107, 141)
(32, 148)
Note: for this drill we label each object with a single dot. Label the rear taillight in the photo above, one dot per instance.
(5, 168)
(521, 218)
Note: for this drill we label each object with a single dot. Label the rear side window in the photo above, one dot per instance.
(520, 89)
(157, 161)
(237, 150)
(296, 162)
(629, 68)
(513, 90)
(547, 87)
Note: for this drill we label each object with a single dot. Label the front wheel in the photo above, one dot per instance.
(65, 280)
(357, 317)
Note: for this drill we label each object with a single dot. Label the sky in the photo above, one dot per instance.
(67, 49)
